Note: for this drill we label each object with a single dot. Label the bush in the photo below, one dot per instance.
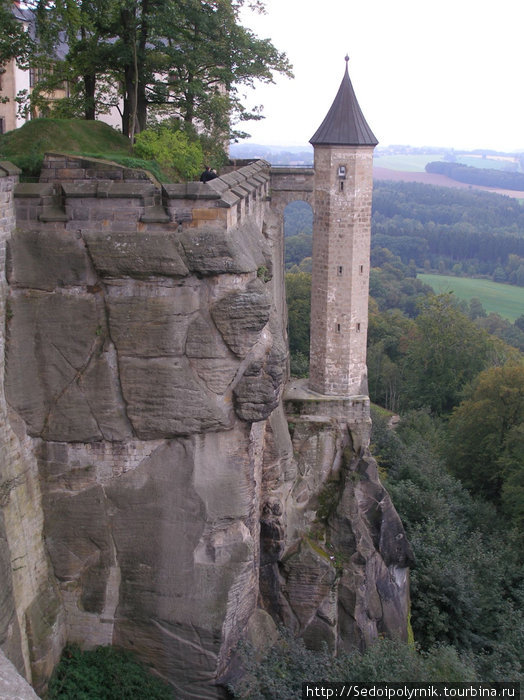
(172, 149)
(104, 673)
(288, 664)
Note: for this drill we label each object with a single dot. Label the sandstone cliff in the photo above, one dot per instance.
(164, 503)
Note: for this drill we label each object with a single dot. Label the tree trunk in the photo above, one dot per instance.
(129, 100)
(89, 88)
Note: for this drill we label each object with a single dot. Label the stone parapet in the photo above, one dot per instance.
(303, 404)
(125, 204)
(61, 167)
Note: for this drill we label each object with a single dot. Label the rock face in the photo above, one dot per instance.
(173, 511)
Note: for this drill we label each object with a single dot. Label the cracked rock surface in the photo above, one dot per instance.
(130, 359)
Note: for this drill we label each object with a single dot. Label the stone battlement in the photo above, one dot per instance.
(81, 193)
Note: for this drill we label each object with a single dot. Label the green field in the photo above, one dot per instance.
(504, 299)
(406, 163)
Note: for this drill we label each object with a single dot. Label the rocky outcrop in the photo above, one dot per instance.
(130, 370)
(173, 503)
(32, 630)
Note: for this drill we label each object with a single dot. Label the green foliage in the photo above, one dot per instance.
(105, 673)
(297, 248)
(288, 664)
(25, 147)
(394, 285)
(439, 227)
(487, 438)
(478, 176)
(466, 584)
(173, 150)
(298, 218)
(298, 294)
(186, 57)
(446, 352)
(263, 273)
(15, 42)
(502, 299)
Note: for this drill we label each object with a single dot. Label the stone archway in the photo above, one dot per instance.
(288, 185)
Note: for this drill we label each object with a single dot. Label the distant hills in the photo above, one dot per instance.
(403, 163)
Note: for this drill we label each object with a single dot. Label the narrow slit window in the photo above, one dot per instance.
(338, 327)
(361, 269)
(342, 185)
(340, 269)
(358, 327)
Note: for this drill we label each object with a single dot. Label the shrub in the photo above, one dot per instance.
(104, 673)
(172, 149)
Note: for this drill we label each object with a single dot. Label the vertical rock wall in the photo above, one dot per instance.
(31, 623)
(146, 352)
(148, 446)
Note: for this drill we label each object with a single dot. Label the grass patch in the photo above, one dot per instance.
(38, 136)
(25, 147)
(504, 299)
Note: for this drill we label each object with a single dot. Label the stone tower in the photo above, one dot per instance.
(343, 147)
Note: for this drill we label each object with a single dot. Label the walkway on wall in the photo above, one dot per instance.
(289, 185)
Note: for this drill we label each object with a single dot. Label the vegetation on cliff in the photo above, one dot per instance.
(167, 151)
(454, 466)
(104, 672)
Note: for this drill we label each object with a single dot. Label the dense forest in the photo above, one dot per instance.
(502, 179)
(454, 465)
(463, 232)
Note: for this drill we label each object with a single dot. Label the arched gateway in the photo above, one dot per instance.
(339, 189)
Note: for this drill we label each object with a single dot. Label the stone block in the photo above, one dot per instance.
(257, 394)
(138, 255)
(241, 315)
(213, 250)
(48, 259)
(59, 378)
(152, 326)
(164, 398)
(204, 341)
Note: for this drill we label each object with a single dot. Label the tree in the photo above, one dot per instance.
(14, 41)
(75, 34)
(447, 351)
(486, 446)
(298, 293)
(185, 56)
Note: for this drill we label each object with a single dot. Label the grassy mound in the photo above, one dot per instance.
(25, 147)
(64, 135)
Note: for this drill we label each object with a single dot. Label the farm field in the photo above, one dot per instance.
(406, 163)
(504, 299)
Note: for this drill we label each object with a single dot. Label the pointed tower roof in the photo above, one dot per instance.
(344, 124)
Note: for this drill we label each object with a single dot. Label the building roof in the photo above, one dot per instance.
(344, 124)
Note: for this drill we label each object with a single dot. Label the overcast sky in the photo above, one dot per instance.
(426, 73)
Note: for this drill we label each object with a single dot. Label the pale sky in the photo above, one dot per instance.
(426, 73)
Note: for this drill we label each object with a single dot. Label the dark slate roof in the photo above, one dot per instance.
(344, 124)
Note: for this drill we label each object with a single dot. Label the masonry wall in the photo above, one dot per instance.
(340, 280)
